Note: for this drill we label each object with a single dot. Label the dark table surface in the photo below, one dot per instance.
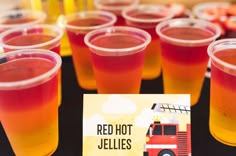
(70, 119)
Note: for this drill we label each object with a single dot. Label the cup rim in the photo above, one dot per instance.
(20, 84)
(114, 8)
(183, 20)
(146, 6)
(198, 8)
(210, 51)
(41, 14)
(113, 29)
(22, 29)
(64, 20)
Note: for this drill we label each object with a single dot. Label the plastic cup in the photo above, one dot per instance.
(115, 7)
(29, 98)
(43, 36)
(33, 37)
(20, 18)
(146, 17)
(184, 45)
(77, 26)
(199, 9)
(117, 57)
(223, 91)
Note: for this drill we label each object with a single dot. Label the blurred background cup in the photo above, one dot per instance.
(20, 18)
(77, 25)
(56, 9)
(115, 7)
(223, 91)
(205, 10)
(184, 43)
(146, 17)
(29, 98)
(117, 57)
(220, 13)
(42, 36)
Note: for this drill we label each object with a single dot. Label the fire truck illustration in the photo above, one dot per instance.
(166, 139)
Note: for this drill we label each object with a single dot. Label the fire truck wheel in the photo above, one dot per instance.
(166, 153)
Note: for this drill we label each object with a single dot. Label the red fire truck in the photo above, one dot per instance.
(165, 139)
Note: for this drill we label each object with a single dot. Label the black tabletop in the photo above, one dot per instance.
(70, 119)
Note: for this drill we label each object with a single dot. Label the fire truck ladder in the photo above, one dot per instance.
(171, 108)
(179, 109)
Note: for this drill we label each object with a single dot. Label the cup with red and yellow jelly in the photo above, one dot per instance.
(77, 25)
(42, 36)
(117, 55)
(29, 100)
(223, 91)
(184, 43)
(146, 17)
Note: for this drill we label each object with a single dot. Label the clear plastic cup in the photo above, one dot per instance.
(20, 18)
(184, 43)
(118, 57)
(199, 9)
(146, 17)
(29, 100)
(77, 26)
(223, 91)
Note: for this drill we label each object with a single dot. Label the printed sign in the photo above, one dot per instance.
(136, 125)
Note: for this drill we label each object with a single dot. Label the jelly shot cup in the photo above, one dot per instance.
(223, 91)
(20, 18)
(115, 7)
(117, 57)
(29, 100)
(146, 17)
(77, 26)
(210, 11)
(42, 36)
(184, 43)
